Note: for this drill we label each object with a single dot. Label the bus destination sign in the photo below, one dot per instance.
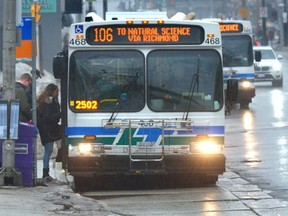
(231, 27)
(144, 34)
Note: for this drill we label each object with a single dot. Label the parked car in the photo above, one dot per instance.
(269, 68)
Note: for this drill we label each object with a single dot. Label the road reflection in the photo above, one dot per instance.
(251, 154)
(248, 120)
(277, 101)
(257, 139)
(283, 155)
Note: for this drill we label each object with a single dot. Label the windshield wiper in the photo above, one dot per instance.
(193, 85)
(122, 98)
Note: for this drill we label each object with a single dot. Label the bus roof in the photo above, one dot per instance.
(135, 15)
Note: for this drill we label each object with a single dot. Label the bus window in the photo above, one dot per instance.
(237, 51)
(181, 80)
(111, 80)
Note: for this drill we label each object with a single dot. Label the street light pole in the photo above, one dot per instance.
(105, 8)
(285, 24)
(264, 30)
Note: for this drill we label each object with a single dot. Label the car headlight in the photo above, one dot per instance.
(277, 67)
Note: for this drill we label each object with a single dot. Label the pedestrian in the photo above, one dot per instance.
(22, 89)
(48, 117)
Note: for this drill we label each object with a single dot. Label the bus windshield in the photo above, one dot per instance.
(237, 51)
(177, 81)
(184, 80)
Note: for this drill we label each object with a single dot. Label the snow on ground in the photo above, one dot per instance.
(21, 68)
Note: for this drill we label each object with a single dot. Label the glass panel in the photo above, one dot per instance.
(237, 51)
(113, 79)
(182, 80)
(267, 54)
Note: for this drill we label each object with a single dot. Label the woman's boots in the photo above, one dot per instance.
(46, 175)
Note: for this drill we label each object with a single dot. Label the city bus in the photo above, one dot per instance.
(142, 98)
(237, 42)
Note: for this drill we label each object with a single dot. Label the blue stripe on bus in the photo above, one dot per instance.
(74, 131)
(239, 76)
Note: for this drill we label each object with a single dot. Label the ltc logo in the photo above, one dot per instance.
(79, 29)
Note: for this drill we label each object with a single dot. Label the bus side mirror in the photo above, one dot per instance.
(60, 62)
(258, 56)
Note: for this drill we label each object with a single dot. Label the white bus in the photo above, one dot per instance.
(143, 97)
(237, 39)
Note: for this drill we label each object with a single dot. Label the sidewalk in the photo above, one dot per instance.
(52, 198)
(278, 47)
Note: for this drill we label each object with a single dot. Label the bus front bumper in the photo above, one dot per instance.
(172, 164)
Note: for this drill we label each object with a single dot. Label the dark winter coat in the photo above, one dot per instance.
(21, 93)
(47, 121)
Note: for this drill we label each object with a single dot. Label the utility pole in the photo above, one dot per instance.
(9, 48)
(8, 173)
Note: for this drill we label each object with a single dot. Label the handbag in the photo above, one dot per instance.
(56, 133)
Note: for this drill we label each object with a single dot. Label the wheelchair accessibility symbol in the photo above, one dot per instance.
(79, 29)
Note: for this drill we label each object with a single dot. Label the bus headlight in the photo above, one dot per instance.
(246, 84)
(205, 145)
(86, 150)
(209, 147)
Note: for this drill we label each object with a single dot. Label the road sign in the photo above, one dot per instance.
(263, 12)
(25, 50)
(47, 6)
(244, 12)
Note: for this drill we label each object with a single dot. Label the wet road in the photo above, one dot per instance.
(231, 196)
(257, 139)
(256, 149)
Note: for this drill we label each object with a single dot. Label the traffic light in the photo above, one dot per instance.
(35, 10)
(73, 6)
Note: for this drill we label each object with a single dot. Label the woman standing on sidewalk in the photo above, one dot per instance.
(48, 116)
